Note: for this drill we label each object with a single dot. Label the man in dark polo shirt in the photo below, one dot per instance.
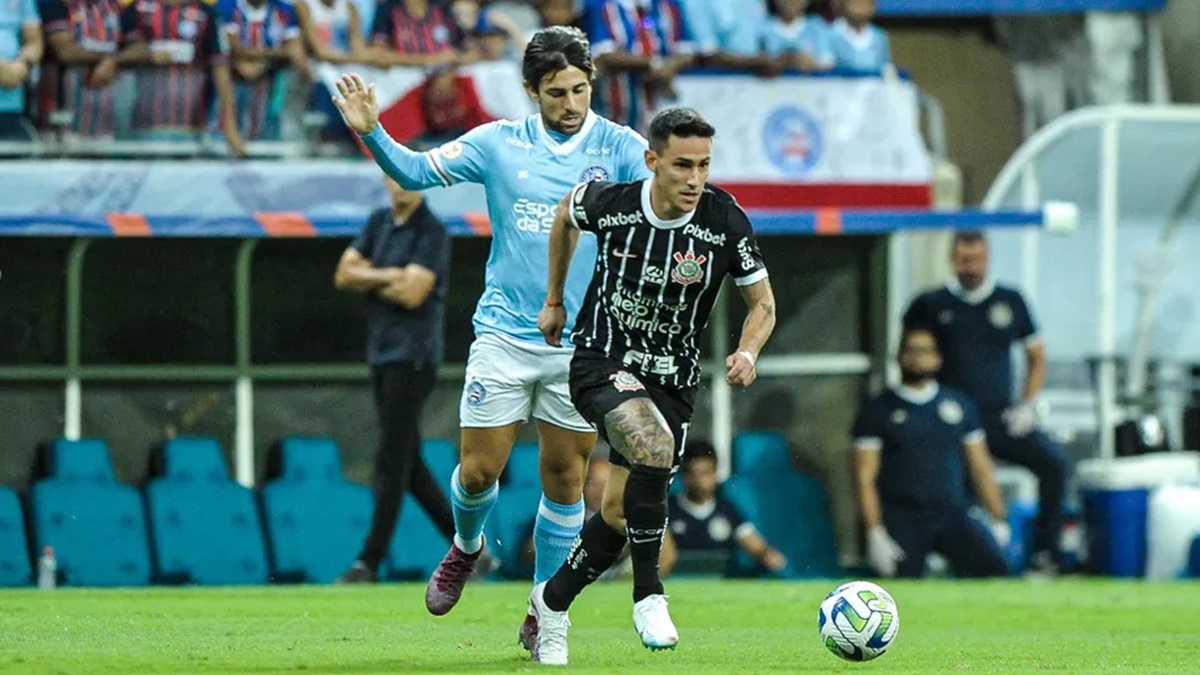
(976, 323)
(704, 526)
(912, 446)
(401, 261)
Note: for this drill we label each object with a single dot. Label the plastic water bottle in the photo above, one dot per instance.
(47, 569)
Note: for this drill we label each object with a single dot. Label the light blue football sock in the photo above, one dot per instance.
(554, 533)
(470, 513)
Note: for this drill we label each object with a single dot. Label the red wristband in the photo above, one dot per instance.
(553, 304)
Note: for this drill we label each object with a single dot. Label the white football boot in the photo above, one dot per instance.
(550, 646)
(653, 623)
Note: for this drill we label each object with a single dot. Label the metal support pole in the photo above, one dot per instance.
(722, 396)
(73, 394)
(243, 438)
(1106, 301)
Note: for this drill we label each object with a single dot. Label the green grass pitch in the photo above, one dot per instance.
(1069, 625)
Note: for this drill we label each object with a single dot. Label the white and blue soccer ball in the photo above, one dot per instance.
(858, 621)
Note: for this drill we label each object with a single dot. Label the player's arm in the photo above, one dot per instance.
(760, 318)
(750, 275)
(1035, 350)
(564, 237)
(459, 161)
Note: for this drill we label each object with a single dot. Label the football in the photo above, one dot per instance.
(858, 621)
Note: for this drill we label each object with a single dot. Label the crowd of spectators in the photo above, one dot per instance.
(166, 70)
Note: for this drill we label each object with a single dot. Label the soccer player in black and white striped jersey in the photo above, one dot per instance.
(665, 246)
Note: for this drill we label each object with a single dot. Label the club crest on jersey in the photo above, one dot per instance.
(1001, 315)
(689, 268)
(950, 412)
(476, 394)
(451, 150)
(593, 173)
(623, 380)
(899, 416)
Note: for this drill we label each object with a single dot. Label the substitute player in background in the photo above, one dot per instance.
(912, 446)
(526, 166)
(666, 245)
(976, 322)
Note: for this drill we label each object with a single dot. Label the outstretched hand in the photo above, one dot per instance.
(356, 101)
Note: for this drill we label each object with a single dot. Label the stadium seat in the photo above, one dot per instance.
(84, 459)
(523, 466)
(14, 549)
(206, 527)
(299, 458)
(509, 527)
(760, 452)
(315, 520)
(416, 547)
(96, 525)
(441, 456)
(789, 509)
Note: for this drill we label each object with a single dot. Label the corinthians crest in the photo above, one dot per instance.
(623, 380)
(689, 268)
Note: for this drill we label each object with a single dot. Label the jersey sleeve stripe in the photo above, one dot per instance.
(439, 169)
(868, 443)
(752, 278)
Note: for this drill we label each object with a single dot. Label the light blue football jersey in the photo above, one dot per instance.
(526, 170)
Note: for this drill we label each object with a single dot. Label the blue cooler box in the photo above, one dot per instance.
(1115, 494)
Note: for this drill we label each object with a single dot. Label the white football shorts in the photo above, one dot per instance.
(507, 380)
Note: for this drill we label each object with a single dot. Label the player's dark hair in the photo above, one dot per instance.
(697, 449)
(553, 49)
(968, 238)
(679, 122)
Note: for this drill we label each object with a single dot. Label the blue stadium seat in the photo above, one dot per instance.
(416, 547)
(84, 459)
(96, 525)
(789, 509)
(441, 456)
(523, 466)
(206, 527)
(760, 452)
(510, 526)
(14, 548)
(308, 458)
(315, 519)
(194, 458)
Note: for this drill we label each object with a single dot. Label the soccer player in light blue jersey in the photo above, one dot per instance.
(526, 167)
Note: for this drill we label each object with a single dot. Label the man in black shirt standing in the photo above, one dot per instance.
(976, 322)
(665, 247)
(401, 259)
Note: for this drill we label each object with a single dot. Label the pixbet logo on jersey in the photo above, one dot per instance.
(534, 216)
(619, 219)
(704, 234)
